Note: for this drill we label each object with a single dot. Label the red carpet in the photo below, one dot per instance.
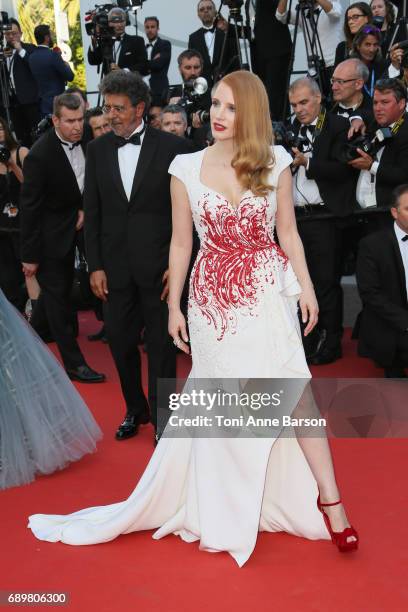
(136, 573)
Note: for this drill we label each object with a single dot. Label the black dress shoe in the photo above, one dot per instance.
(85, 374)
(394, 372)
(325, 355)
(101, 335)
(128, 428)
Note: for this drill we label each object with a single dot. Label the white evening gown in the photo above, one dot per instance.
(243, 323)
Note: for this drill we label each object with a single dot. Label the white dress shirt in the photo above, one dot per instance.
(329, 28)
(149, 48)
(128, 156)
(306, 191)
(365, 194)
(76, 158)
(403, 247)
(209, 41)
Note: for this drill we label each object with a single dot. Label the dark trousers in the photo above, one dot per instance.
(11, 273)
(55, 277)
(274, 75)
(128, 311)
(25, 118)
(321, 239)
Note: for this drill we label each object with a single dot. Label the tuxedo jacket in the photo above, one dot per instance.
(272, 38)
(382, 287)
(197, 42)
(159, 67)
(130, 239)
(24, 81)
(49, 202)
(336, 180)
(393, 167)
(51, 73)
(365, 111)
(132, 54)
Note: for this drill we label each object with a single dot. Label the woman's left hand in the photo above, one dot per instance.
(309, 309)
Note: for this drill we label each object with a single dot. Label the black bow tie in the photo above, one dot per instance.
(134, 139)
(405, 238)
(71, 145)
(345, 110)
(209, 29)
(149, 45)
(304, 129)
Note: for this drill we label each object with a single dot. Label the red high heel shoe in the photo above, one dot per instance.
(339, 537)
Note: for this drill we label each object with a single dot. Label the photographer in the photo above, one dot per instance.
(385, 167)
(197, 106)
(208, 41)
(348, 81)
(11, 176)
(24, 103)
(327, 16)
(324, 191)
(116, 48)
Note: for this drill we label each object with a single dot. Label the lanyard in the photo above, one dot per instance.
(370, 91)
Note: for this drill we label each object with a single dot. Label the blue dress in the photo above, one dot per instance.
(44, 423)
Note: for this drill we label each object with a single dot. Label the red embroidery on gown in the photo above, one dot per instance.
(232, 260)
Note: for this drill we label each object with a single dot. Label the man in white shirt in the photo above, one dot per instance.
(387, 167)
(382, 277)
(51, 216)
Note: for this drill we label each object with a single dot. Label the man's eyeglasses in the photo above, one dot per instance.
(355, 17)
(118, 108)
(333, 80)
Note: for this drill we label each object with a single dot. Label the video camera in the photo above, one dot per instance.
(369, 145)
(192, 99)
(287, 138)
(5, 25)
(96, 22)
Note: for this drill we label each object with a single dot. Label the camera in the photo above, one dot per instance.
(5, 25)
(192, 99)
(4, 154)
(369, 145)
(288, 139)
(233, 5)
(96, 23)
(44, 125)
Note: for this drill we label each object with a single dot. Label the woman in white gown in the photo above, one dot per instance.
(242, 324)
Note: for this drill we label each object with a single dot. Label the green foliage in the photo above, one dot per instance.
(33, 12)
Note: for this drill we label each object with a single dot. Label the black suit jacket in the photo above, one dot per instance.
(159, 67)
(393, 167)
(272, 38)
(129, 239)
(382, 288)
(132, 54)
(49, 202)
(336, 180)
(197, 42)
(25, 84)
(365, 111)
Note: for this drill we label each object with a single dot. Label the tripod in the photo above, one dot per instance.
(306, 16)
(239, 32)
(401, 28)
(5, 84)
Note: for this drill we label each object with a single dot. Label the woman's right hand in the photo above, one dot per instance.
(178, 330)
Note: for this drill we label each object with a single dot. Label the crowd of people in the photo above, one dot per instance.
(349, 149)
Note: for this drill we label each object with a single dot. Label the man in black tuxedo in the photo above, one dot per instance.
(127, 51)
(324, 197)
(127, 234)
(209, 41)
(387, 168)
(382, 278)
(158, 60)
(51, 216)
(271, 52)
(23, 92)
